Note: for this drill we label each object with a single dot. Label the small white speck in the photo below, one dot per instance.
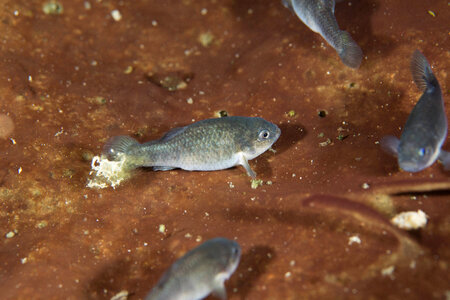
(10, 234)
(13, 141)
(365, 186)
(190, 100)
(19, 170)
(204, 11)
(354, 239)
(30, 78)
(16, 13)
(231, 185)
(388, 271)
(292, 263)
(145, 244)
(287, 274)
(94, 63)
(162, 228)
(117, 16)
(198, 239)
(293, 175)
(87, 5)
(154, 23)
(23, 260)
(59, 132)
(188, 235)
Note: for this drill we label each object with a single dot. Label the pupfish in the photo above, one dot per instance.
(318, 15)
(207, 145)
(200, 272)
(426, 128)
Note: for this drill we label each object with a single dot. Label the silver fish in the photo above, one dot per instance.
(212, 144)
(318, 15)
(426, 128)
(200, 272)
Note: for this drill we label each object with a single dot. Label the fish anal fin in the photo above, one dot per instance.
(162, 168)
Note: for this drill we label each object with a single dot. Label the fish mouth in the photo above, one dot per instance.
(277, 133)
(413, 167)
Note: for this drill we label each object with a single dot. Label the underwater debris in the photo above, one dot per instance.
(107, 173)
(52, 8)
(122, 295)
(354, 239)
(116, 15)
(255, 183)
(410, 220)
(206, 39)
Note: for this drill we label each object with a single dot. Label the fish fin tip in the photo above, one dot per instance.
(118, 144)
(444, 158)
(390, 144)
(220, 291)
(244, 162)
(162, 168)
(350, 53)
(421, 71)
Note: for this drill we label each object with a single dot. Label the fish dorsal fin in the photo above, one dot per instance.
(421, 71)
(172, 133)
(219, 291)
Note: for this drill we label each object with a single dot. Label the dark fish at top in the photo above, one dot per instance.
(426, 128)
(318, 15)
(200, 272)
(212, 144)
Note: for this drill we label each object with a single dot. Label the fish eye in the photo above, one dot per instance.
(421, 152)
(264, 134)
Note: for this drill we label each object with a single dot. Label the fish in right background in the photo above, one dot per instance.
(318, 15)
(200, 272)
(425, 130)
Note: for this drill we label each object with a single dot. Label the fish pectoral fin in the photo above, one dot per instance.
(287, 4)
(444, 158)
(219, 291)
(244, 162)
(390, 144)
(162, 168)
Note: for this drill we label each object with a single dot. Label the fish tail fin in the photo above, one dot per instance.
(444, 158)
(118, 146)
(349, 51)
(421, 72)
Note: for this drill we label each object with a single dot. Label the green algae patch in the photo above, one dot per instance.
(255, 183)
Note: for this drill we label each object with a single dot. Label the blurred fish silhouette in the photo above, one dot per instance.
(200, 272)
(426, 128)
(318, 15)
